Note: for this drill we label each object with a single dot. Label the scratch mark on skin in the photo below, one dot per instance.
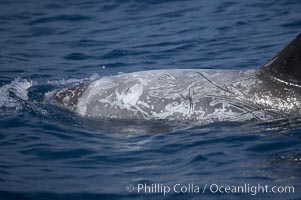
(273, 112)
(249, 107)
(239, 90)
(225, 90)
(247, 111)
(274, 59)
(189, 98)
(170, 112)
(236, 101)
(127, 90)
(190, 101)
(170, 76)
(228, 89)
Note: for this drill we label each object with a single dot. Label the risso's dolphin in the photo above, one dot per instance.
(270, 92)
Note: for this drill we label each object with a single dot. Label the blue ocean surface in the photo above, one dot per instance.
(47, 152)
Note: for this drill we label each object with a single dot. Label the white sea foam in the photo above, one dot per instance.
(12, 94)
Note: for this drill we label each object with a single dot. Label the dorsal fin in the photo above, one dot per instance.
(286, 65)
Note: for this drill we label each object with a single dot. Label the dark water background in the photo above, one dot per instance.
(48, 153)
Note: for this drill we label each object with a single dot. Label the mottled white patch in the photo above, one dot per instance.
(130, 97)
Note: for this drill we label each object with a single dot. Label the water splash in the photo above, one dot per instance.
(14, 94)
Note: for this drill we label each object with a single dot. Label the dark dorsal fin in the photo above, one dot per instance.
(286, 65)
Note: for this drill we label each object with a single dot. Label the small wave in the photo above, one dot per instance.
(76, 56)
(59, 18)
(12, 95)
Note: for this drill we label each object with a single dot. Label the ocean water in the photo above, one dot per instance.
(49, 153)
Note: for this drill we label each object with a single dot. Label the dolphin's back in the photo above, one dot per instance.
(272, 91)
(194, 95)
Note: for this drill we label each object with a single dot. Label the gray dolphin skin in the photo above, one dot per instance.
(270, 92)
